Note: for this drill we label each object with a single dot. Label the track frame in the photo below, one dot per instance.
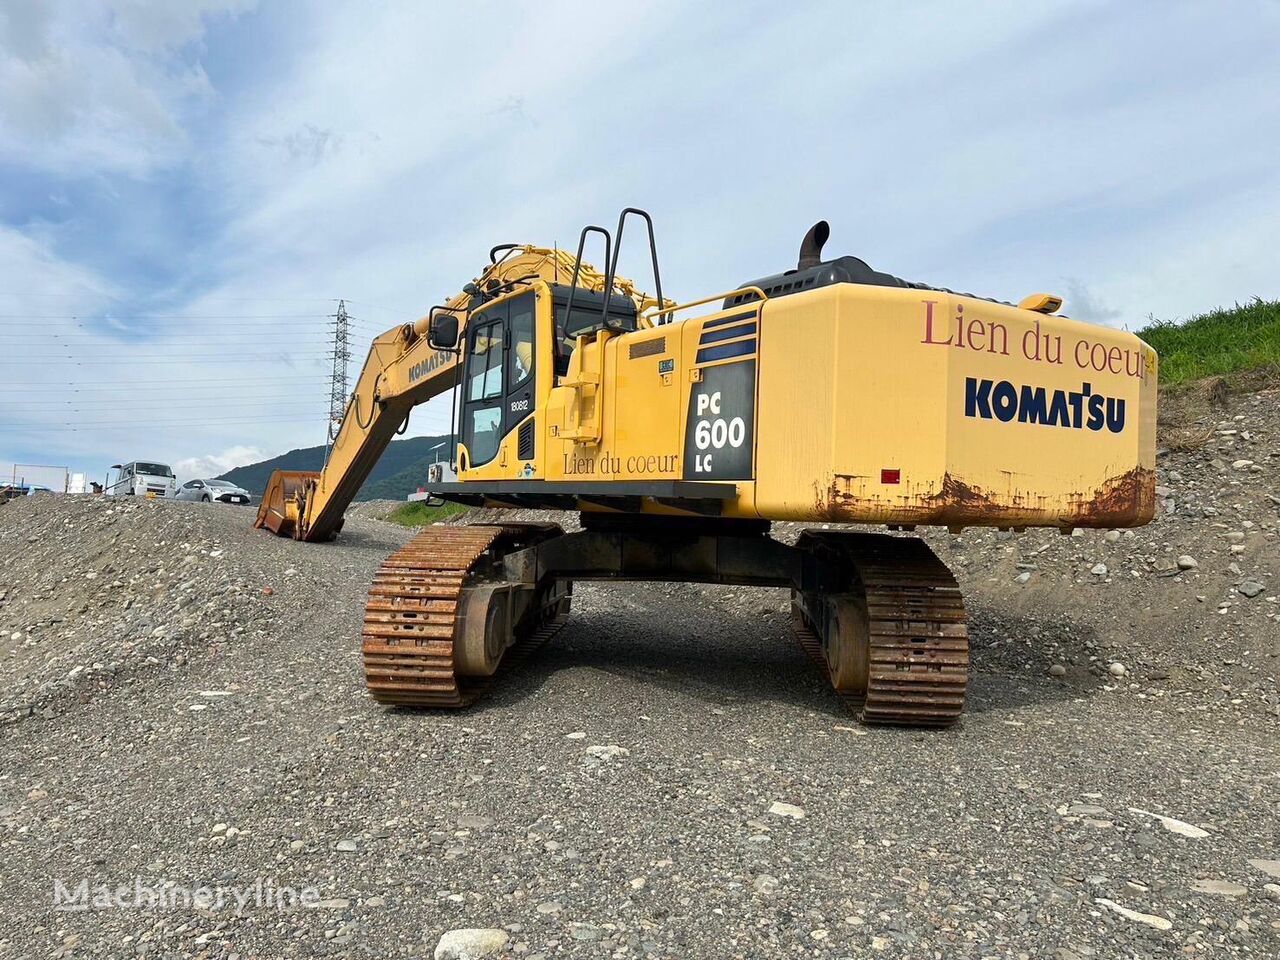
(882, 616)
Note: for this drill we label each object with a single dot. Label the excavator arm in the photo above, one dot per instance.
(403, 369)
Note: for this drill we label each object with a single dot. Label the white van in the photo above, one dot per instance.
(142, 478)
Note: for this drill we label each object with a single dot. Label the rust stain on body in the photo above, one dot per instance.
(1126, 500)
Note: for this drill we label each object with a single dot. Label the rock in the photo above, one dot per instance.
(1241, 464)
(471, 821)
(576, 735)
(765, 885)
(1188, 562)
(346, 846)
(469, 944)
(1058, 670)
(218, 828)
(638, 883)
(1160, 923)
(1271, 867)
(599, 754)
(1117, 669)
(1173, 825)
(1250, 588)
(1022, 577)
(1221, 888)
(1111, 536)
(1099, 570)
(1273, 889)
(780, 809)
(1085, 810)
(549, 906)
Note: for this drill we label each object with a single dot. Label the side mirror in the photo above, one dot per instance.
(443, 331)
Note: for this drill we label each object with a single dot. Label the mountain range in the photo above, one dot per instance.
(400, 470)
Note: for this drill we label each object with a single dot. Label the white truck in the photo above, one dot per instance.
(142, 478)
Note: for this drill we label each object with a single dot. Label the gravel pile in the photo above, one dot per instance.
(181, 709)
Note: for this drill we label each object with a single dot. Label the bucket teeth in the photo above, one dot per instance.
(410, 620)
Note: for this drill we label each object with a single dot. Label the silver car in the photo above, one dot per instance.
(210, 491)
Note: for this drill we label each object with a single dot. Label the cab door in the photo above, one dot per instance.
(482, 398)
(499, 386)
(521, 375)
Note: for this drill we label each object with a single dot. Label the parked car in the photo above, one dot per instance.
(207, 491)
(143, 478)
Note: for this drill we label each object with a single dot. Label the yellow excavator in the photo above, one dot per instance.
(830, 393)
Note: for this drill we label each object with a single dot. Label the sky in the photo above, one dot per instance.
(188, 189)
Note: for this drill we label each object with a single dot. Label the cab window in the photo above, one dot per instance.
(520, 356)
(484, 363)
(485, 432)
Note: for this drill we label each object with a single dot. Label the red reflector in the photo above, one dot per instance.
(890, 476)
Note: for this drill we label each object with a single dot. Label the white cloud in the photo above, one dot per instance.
(1082, 303)
(100, 86)
(215, 464)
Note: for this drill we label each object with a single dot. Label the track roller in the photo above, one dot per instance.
(895, 645)
(440, 622)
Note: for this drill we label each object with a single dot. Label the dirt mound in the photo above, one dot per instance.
(95, 589)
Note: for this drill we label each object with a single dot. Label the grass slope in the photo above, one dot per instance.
(418, 514)
(1223, 341)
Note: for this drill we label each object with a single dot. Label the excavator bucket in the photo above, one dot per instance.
(281, 507)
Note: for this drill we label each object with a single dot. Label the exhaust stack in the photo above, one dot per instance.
(811, 246)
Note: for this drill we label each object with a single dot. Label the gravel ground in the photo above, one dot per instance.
(181, 704)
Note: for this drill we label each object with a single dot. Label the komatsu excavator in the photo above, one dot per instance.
(828, 394)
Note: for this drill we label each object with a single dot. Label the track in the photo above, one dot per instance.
(410, 621)
(917, 640)
(911, 633)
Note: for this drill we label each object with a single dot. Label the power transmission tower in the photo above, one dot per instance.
(341, 353)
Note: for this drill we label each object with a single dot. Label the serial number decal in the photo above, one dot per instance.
(1077, 409)
(519, 405)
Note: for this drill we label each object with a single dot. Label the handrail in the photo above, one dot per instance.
(612, 265)
(573, 286)
(760, 294)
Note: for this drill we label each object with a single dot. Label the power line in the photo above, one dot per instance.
(115, 385)
(170, 358)
(108, 424)
(157, 316)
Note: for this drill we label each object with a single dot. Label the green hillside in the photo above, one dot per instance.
(1243, 337)
(400, 470)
